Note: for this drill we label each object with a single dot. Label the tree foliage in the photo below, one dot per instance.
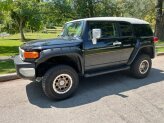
(21, 12)
(35, 14)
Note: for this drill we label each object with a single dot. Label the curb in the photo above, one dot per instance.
(13, 76)
(160, 54)
(7, 77)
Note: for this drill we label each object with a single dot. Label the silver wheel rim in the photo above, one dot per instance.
(144, 66)
(62, 83)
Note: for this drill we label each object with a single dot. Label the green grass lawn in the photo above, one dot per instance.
(160, 43)
(161, 49)
(9, 45)
(7, 67)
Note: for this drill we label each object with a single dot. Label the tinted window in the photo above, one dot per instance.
(126, 29)
(108, 29)
(142, 30)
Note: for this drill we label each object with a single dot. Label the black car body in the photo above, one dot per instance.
(91, 46)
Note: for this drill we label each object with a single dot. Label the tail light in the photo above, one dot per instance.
(155, 39)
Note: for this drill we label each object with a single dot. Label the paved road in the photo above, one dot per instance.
(112, 98)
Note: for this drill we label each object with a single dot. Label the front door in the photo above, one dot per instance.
(107, 51)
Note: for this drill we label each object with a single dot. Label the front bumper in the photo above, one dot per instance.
(24, 70)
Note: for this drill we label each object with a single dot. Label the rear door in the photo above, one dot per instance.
(127, 40)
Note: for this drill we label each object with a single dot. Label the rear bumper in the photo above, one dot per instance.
(24, 70)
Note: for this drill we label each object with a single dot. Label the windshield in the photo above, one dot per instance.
(72, 29)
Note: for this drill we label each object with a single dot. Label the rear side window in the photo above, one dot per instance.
(125, 29)
(142, 30)
(108, 28)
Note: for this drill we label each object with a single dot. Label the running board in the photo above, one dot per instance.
(105, 72)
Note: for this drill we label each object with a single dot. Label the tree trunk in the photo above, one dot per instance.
(21, 31)
(90, 7)
(159, 28)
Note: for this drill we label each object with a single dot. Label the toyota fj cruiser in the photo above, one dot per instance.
(87, 47)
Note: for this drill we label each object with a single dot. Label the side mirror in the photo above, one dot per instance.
(96, 34)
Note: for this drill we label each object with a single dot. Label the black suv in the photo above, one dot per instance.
(87, 47)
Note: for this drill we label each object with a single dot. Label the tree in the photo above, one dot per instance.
(21, 12)
(57, 12)
(34, 14)
(84, 8)
(159, 29)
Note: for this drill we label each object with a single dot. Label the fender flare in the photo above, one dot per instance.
(69, 51)
(136, 50)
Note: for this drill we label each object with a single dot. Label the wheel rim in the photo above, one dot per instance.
(144, 66)
(62, 83)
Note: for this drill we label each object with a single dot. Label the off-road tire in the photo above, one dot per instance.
(50, 75)
(135, 67)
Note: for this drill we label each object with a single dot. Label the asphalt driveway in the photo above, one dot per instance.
(111, 98)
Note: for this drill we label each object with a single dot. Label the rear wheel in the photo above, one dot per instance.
(60, 82)
(141, 66)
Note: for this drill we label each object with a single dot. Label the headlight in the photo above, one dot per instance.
(21, 53)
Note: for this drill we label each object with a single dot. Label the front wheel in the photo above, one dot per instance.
(141, 66)
(60, 82)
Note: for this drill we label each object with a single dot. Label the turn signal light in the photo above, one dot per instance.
(31, 55)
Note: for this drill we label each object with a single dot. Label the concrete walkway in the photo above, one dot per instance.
(5, 58)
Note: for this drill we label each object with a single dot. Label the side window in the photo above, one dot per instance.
(108, 29)
(126, 29)
(142, 30)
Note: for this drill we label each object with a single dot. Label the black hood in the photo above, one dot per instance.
(50, 43)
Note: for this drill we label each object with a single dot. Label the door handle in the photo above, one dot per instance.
(117, 43)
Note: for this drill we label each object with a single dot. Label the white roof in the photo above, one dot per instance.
(125, 19)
